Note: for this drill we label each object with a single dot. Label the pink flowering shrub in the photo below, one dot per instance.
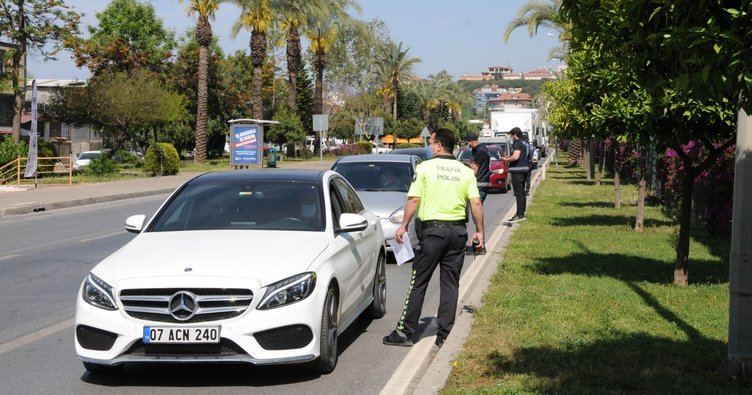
(713, 189)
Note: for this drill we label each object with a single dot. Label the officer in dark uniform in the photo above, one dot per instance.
(441, 189)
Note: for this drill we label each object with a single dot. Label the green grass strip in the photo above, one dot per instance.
(582, 304)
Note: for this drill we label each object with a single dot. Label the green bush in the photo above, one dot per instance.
(127, 159)
(162, 159)
(10, 150)
(364, 147)
(102, 165)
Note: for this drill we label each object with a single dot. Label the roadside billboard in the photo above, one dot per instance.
(246, 144)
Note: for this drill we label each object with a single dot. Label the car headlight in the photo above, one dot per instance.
(288, 291)
(397, 216)
(98, 293)
(498, 171)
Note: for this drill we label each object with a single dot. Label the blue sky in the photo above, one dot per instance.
(459, 37)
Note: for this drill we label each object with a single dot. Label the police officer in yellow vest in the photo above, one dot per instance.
(441, 189)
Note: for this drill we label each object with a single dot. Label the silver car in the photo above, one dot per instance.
(382, 182)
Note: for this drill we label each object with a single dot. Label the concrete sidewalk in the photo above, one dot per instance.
(23, 200)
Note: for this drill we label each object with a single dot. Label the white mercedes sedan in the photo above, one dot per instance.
(244, 266)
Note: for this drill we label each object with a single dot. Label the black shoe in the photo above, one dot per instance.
(439, 341)
(397, 338)
(516, 218)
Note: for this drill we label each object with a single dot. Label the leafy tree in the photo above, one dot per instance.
(31, 25)
(292, 15)
(204, 10)
(393, 66)
(117, 102)
(304, 96)
(321, 30)
(537, 13)
(236, 93)
(408, 128)
(351, 56)
(289, 129)
(692, 58)
(129, 35)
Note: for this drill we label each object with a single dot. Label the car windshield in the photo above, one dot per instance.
(377, 176)
(493, 153)
(89, 155)
(243, 205)
(465, 154)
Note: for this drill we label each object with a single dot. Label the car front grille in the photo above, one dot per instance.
(185, 306)
(224, 347)
(284, 338)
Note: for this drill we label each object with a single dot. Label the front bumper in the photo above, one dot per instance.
(283, 335)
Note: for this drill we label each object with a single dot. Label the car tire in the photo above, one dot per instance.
(378, 306)
(327, 360)
(95, 368)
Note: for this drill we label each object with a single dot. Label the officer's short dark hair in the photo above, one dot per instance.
(516, 132)
(446, 138)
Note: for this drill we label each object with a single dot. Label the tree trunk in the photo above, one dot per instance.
(587, 158)
(201, 98)
(395, 86)
(203, 37)
(617, 183)
(575, 152)
(601, 162)
(18, 81)
(319, 63)
(640, 220)
(258, 56)
(681, 276)
(293, 66)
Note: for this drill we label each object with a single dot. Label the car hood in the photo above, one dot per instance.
(264, 256)
(383, 203)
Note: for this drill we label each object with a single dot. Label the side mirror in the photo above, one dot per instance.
(352, 222)
(135, 223)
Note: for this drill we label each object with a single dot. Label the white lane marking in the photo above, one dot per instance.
(34, 336)
(103, 236)
(2, 258)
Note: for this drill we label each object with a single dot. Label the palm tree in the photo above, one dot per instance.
(204, 10)
(537, 13)
(393, 66)
(321, 30)
(256, 16)
(293, 14)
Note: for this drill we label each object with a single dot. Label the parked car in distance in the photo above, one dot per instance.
(499, 180)
(422, 153)
(84, 158)
(382, 182)
(237, 267)
(379, 148)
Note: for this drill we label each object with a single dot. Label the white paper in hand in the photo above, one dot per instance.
(402, 252)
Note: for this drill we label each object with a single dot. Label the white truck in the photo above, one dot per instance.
(527, 119)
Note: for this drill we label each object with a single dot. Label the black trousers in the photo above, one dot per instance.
(518, 184)
(438, 246)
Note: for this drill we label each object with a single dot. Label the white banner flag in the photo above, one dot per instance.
(31, 162)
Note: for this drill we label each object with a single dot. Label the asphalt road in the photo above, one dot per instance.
(43, 259)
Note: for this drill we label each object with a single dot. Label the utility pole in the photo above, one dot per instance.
(739, 361)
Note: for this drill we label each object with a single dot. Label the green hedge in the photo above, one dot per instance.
(162, 159)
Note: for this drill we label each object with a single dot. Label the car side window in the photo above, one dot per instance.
(336, 206)
(350, 199)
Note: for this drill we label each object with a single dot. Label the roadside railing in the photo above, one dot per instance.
(52, 170)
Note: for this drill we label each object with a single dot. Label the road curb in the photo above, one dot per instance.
(33, 207)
